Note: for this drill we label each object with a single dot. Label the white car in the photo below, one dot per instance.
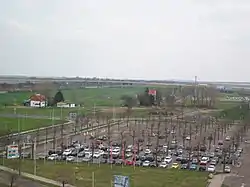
(128, 150)
(180, 151)
(87, 151)
(204, 160)
(116, 152)
(228, 138)
(77, 146)
(174, 142)
(146, 163)
(168, 159)
(227, 169)
(163, 165)
(101, 146)
(129, 154)
(240, 150)
(88, 155)
(165, 146)
(130, 146)
(70, 158)
(67, 152)
(116, 149)
(147, 151)
(97, 154)
(213, 162)
(211, 168)
(172, 131)
(53, 157)
(188, 138)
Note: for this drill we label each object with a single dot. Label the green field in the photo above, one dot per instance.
(87, 96)
(12, 125)
(226, 104)
(93, 99)
(81, 174)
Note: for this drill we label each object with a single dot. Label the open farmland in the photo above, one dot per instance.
(87, 96)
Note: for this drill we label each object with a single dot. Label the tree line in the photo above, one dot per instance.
(180, 95)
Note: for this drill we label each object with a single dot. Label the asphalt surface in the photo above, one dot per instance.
(241, 173)
(5, 178)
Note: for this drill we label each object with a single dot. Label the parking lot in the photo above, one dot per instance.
(194, 143)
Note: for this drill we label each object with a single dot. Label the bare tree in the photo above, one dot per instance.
(157, 143)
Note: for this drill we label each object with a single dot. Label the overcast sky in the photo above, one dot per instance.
(149, 39)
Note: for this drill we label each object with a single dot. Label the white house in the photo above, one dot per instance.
(65, 105)
(38, 100)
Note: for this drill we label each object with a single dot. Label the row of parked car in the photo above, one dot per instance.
(167, 157)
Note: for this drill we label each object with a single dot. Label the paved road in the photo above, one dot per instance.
(218, 180)
(5, 178)
(22, 182)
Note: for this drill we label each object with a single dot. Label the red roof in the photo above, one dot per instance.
(38, 97)
(152, 92)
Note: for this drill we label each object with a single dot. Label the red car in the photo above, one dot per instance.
(129, 162)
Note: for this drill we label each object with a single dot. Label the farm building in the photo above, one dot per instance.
(38, 100)
(65, 105)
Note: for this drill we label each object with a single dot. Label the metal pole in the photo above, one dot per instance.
(93, 179)
(34, 156)
(19, 148)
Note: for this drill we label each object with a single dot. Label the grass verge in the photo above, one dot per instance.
(12, 125)
(81, 174)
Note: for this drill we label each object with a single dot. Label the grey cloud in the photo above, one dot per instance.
(132, 39)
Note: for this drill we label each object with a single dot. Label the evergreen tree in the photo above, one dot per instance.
(58, 97)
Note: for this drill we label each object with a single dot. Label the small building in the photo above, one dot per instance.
(65, 105)
(38, 100)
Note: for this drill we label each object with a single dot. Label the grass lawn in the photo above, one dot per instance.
(237, 112)
(8, 125)
(226, 104)
(81, 174)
